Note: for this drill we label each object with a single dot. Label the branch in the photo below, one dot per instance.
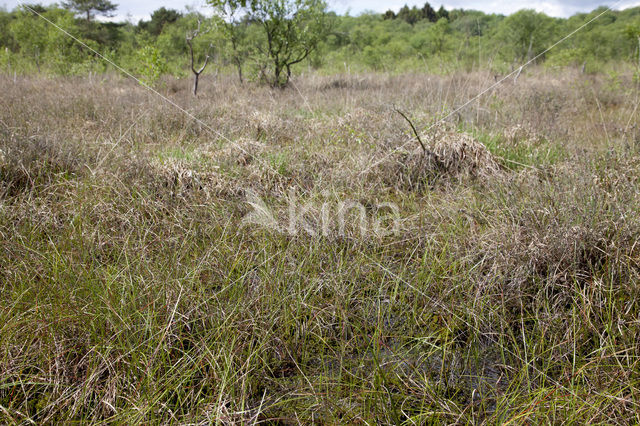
(195, 33)
(193, 68)
(300, 58)
(415, 132)
(206, 61)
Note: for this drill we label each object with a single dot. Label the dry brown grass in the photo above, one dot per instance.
(132, 291)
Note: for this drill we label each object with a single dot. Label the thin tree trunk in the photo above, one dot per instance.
(276, 76)
(515, 80)
(195, 84)
(37, 58)
(236, 58)
(638, 52)
(239, 67)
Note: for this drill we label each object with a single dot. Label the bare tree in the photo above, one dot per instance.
(196, 72)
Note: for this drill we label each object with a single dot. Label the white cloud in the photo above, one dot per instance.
(134, 10)
(558, 8)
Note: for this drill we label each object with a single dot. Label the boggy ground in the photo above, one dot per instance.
(150, 271)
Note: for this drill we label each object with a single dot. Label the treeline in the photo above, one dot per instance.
(413, 15)
(281, 37)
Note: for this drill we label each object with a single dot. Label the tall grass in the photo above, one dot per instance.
(131, 290)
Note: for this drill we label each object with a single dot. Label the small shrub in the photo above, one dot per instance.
(151, 65)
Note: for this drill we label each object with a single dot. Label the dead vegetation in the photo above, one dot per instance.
(449, 155)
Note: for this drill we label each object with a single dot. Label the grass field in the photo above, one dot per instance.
(151, 271)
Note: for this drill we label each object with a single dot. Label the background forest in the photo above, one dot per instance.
(412, 40)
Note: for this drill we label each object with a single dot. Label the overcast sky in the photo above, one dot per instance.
(137, 10)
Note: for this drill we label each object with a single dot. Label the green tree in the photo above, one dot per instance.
(438, 34)
(389, 14)
(6, 39)
(151, 65)
(526, 34)
(633, 33)
(410, 15)
(43, 43)
(159, 18)
(234, 26)
(292, 30)
(31, 34)
(90, 8)
(429, 13)
(442, 13)
(172, 46)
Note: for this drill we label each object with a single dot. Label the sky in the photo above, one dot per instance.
(136, 10)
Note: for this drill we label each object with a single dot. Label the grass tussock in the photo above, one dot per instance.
(30, 164)
(450, 155)
(134, 290)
